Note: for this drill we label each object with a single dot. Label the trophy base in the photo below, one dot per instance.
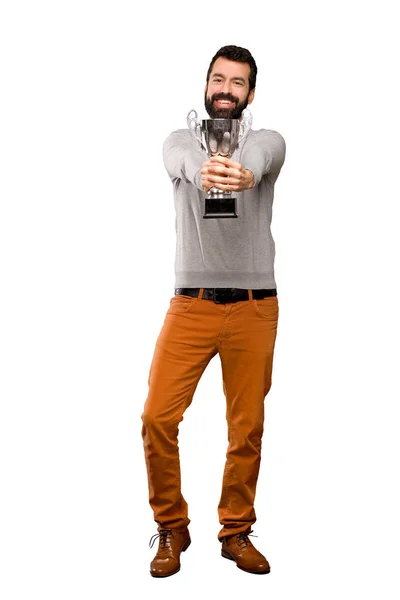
(220, 208)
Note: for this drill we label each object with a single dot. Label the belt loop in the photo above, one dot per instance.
(250, 294)
(200, 296)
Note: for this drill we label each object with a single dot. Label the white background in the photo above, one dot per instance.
(89, 91)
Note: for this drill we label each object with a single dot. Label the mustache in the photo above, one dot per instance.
(222, 96)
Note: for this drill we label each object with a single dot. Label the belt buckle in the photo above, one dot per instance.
(222, 295)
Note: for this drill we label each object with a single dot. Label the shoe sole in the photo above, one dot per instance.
(229, 557)
(184, 548)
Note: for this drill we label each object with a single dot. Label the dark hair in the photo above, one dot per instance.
(239, 55)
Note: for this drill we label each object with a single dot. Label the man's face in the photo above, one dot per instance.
(227, 93)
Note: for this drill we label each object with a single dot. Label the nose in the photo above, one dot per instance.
(226, 88)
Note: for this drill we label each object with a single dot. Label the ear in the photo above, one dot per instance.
(251, 96)
(205, 89)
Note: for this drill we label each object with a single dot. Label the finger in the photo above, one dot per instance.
(234, 165)
(224, 186)
(227, 162)
(219, 159)
(217, 179)
(206, 180)
(233, 174)
(218, 170)
(223, 180)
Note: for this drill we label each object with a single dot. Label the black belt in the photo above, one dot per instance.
(222, 295)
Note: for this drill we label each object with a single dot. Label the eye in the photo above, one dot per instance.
(217, 79)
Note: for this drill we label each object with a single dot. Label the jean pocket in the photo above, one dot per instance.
(267, 308)
(181, 304)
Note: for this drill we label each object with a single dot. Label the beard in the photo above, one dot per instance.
(234, 112)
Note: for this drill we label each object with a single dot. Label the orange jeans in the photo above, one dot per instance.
(195, 330)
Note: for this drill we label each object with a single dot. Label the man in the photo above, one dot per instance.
(225, 302)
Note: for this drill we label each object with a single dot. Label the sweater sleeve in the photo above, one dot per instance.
(182, 159)
(265, 155)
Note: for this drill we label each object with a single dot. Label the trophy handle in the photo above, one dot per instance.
(194, 126)
(245, 124)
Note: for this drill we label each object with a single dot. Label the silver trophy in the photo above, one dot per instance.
(219, 136)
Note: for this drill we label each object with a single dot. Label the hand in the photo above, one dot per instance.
(225, 174)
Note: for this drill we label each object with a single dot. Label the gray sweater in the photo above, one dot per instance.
(237, 252)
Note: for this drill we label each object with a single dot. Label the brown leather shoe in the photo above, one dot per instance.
(240, 549)
(171, 543)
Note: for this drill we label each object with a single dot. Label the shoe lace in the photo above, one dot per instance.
(163, 534)
(242, 539)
